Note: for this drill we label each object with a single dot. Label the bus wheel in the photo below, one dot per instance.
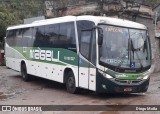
(24, 74)
(70, 83)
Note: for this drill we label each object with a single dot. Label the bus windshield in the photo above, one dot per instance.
(125, 48)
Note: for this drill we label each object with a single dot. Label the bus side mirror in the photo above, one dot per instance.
(100, 36)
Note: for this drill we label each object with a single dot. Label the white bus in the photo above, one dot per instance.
(102, 54)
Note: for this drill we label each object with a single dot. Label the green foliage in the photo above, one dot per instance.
(14, 11)
(6, 18)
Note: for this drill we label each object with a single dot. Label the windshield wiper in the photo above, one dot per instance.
(135, 50)
(130, 48)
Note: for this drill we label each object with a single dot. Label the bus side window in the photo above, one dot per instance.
(85, 43)
(34, 30)
(11, 34)
(63, 41)
(67, 36)
(18, 40)
(8, 37)
(27, 37)
(51, 33)
(71, 36)
(84, 25)
(93, 47)
(40, 37)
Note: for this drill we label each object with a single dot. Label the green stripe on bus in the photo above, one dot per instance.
(125, 76)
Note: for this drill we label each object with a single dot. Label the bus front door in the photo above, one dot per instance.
(87, 60)
(83, 73)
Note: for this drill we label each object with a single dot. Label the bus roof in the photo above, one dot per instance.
(45, 22)
(112, 21)
(95, 19)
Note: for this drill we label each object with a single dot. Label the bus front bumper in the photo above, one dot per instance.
(105, 85)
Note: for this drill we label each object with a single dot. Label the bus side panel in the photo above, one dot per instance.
(13, 63)
(92, 78)
(39, 69)
(50, 71)
(87, 74)
(13, 58)
(46, 70)
(54, 69)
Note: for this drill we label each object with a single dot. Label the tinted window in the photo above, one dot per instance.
(11, 34)
(85, 43)
(56, 35)
(52, 33)
(67, 36)
(40, 37)
(27, 37)
(34, 30)
(93, 47)
(84, 25)
(18, 38)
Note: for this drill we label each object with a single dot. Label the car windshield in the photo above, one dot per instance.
(125, 47)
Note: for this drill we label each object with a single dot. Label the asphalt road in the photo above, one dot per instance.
(14, 91)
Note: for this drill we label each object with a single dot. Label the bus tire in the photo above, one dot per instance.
(25, 76)
(70, 83)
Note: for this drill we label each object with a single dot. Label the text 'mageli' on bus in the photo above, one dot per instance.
(101, 54)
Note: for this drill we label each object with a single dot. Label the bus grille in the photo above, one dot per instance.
(128, 81)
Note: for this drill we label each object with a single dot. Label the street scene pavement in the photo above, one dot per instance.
(14, 91)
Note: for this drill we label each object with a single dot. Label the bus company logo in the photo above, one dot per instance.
(6, 108)
(43, 55)
(121, 76)
(129, 82)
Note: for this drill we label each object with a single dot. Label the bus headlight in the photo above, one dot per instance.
(108, 76)
(105, 74)
(145, 77)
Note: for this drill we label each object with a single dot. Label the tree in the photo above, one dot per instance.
(13, 12)
(6, 18)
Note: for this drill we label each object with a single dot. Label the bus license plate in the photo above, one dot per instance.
(127, 89)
